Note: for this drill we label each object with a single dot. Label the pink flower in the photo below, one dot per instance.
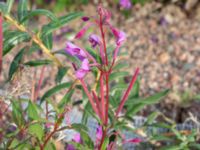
(74, 50)
(99, 133)
(106, 14)
(85, 68)
(94, 40)
(134, 140)
(125, 4)
(82, 32)
(77, 139)
(119, 35)
(85, 18)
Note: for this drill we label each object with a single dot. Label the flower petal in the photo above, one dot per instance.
(94, 40)
(85, 65)
(134, 140)
(125, 4)
(74, 50)
(99, 132)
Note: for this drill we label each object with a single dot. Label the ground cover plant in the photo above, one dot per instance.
(112, 100)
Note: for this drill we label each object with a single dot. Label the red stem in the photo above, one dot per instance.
(127, 92)
(107, 97)
(89, 96)
(103, 38)
(39, 83)
(102, 96)
(98, 105)
(1, 41)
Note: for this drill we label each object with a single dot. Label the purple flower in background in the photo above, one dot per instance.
(77, 139)
(74, 50)
(94, 40)
(85, 68)
(125, 4)
(99, 133)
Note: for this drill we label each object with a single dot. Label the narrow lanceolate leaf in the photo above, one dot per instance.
(65, 100)
(135, 105)
(32, 111)
(47, 39)
(12, 38)
(54, 90)
(35, 63)
(17, 113)
(15, 63)
(53, 25)
(22, 9)
(149, 100)
(61, 73)
(9, 5)
(39, 12)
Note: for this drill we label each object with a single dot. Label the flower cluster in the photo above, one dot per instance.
(95, 41)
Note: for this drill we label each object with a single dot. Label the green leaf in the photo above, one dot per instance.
(120, 65)
(39, 12)
(15, 63)
(36, 130)
(161, 138)
(117, 75)
(22, 9)
(55, 89)
(134, 109)
(105, 143)
(171, 148)
(47, 39)
(65, 100)
(9, 4)
(149, 100)
(17, 113)
(79, 127)
(61, 73)
(50, 146)
(151, 118)
(62, 21)
(13, 38)
(32, 111)
(35, 63)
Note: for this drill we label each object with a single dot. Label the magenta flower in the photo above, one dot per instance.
(119, 35)
(99, 133)
(74, 50)
(85, 68)
(85, 18)
(77, 139)
(134, 140)
(126, 4)
(94, 40)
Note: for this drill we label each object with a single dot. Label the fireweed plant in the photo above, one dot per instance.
(34, 122)
(99, 100)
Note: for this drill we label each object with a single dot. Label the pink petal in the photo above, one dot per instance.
(94, 40)
(85, 65)
(134, 140)
(77, 138)
(125, 4)
(80, 73)
(99, 133)
(80, 33)
(74, 50)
